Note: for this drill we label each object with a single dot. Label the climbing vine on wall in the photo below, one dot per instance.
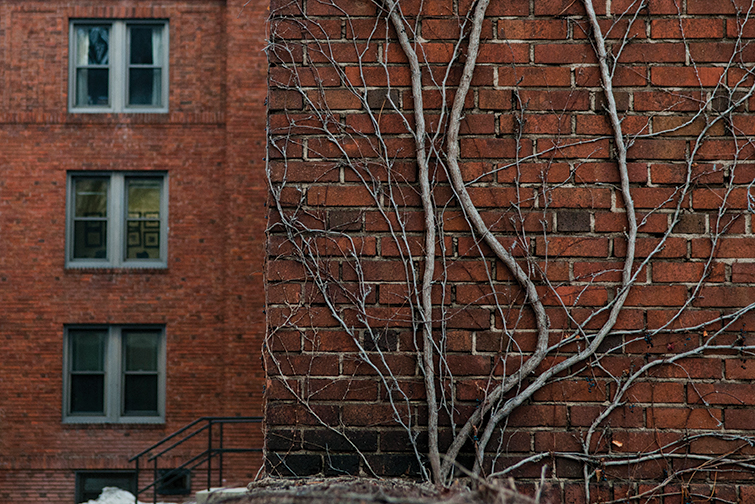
(512, 239)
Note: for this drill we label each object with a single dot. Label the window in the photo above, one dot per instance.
(174, 481)
(114, 374)
(89, 484)
(118, 66)
(117, 220)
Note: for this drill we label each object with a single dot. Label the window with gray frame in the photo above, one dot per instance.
(118, 66)
(117, 220)
(114, 374)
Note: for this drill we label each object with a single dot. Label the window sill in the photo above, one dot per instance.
(123, 270)
(101, 424)
(130, 111)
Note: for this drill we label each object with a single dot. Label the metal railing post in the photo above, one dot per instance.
(220, 476)
(154, 488)
(209, 455)
(136, 470)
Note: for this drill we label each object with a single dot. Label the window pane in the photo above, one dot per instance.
(144, 86)
(143, 219)
(141, 350)
(89, 240)
(92, 86)
(144, 198)
(87, 350)
(146, 45)
(143, 243)
(91, 197)
(88, 393)
(92, 486)
(140, 394)
(92, 45)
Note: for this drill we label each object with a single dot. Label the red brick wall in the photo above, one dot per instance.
(537, 65)
(209, 298)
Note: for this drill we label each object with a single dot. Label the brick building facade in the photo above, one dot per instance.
(542, 165)
(131, 232)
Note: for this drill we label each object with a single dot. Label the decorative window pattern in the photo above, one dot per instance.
(118, 66)
(117, 220)
(114, 374)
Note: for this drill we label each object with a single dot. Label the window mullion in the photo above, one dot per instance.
(117, 66)
(113, 365)
(164, 66)
(116, 220)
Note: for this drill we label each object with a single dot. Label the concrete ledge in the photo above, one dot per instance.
(222, 495)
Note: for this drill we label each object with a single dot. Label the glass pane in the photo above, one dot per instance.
(141, 350)
(93, 485)
(92, 86)
(143, 219)
(146, 42)
(143, 242)
(90, 240)
(140, 394)
(87, 350)
(92, 45)
(144, 86)
(144, 198)
(88, 393)
(91, 197)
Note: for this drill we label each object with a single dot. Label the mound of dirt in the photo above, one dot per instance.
(350, 490)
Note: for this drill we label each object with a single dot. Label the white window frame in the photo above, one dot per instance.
(116, 221)
(114, 372)
(118, 63)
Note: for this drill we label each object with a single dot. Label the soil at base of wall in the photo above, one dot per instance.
(352, 490)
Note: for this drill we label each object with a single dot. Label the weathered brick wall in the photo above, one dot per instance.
(209, 298)
(536, 133)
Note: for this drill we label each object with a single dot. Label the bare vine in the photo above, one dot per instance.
(352, 124)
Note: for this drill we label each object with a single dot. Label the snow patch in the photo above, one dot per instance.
(113, 495)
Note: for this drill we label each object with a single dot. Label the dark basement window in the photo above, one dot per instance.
(89, 484)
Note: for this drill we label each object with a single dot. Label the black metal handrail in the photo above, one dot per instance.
(195, 461)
